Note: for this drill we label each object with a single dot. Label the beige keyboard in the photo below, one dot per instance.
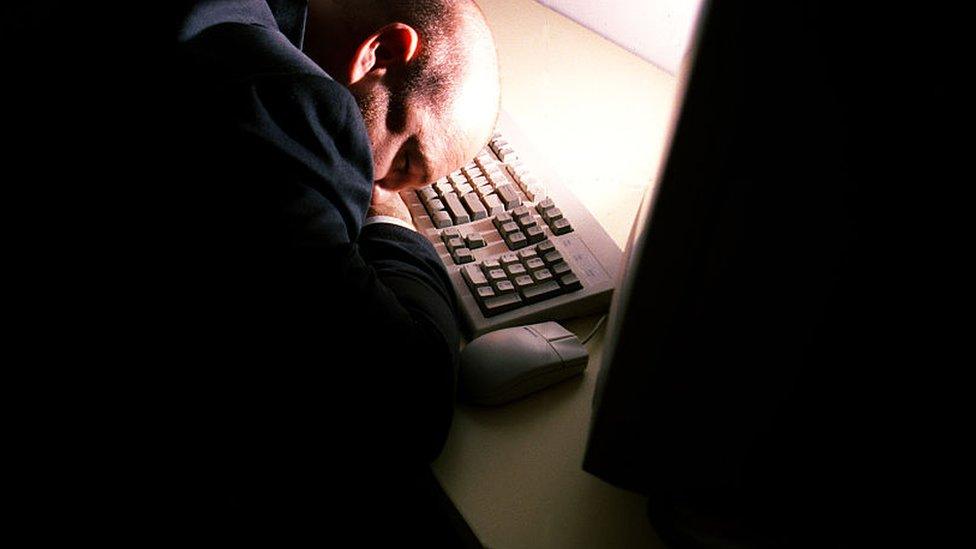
(519, 247)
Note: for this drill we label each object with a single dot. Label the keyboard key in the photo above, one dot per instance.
(490, 264)
(516, 169)
(535, 191)
(552, 257)
(546, 204)
(552, 214)
(526, 179)
(457, 211)
(505, 287)
(444, 188)
(534, 263)
(505, 151)
(498, 144)
(463, 189)
(561, 226)
(454, 243)
(519, 211)
(570, 282)
(516, 240)
(508, 259)
(484, 160)
(515, 269)
(475, 241)
(500, 304)
(535, 234)
(473, 276)
(506, 193)
(426, 194)
(507, 155)
(484, 190)
(509, 228)
(545, 247)
(496, 177)
(501, 219)
(462, 255)
(527, 254)
(523, 282)
(542, 275)
(441, 219)
(448, 234)
(435, 205)
(458, 179)
(496, 275)
(494, 204)
(484, 292)
(525, 221)
(474, 205)
(561, 268)
(542, 291)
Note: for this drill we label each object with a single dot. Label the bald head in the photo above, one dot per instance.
(424, 72)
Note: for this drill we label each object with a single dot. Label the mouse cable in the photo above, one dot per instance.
(593, 331)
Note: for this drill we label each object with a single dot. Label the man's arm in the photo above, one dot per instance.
(391, 210)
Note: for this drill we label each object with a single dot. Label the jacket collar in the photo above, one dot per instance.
(290, 16)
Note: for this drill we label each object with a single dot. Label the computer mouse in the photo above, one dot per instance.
(507, 364)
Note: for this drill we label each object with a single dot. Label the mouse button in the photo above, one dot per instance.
(529, 350)
(551, 330)
(508, 353)
(570, 350)
(501, 338)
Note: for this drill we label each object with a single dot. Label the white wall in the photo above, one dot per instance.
(656, 30)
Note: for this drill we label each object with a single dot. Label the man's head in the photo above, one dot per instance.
(425, 75)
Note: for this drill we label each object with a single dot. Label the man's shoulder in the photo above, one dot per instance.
(234, 60)
(196, 16)
(256, 110)
(233, 50)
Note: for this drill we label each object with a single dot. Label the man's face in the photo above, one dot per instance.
(413, 144)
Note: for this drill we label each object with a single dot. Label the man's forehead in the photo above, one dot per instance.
(473, 113)
(445, 148)
(457, 130)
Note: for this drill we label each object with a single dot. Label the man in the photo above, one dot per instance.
(321, 326)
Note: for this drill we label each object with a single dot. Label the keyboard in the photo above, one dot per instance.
(518, 246)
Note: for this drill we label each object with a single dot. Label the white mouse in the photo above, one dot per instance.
(507, 364)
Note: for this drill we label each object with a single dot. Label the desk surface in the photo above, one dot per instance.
(600, 116)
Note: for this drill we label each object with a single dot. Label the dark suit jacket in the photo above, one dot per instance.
(314, 363)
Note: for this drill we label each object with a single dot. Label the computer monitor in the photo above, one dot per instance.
(732, 369)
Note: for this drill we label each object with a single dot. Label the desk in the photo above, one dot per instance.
(514, 472)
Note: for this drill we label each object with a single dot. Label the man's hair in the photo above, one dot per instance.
(438, 65)
(451, 31)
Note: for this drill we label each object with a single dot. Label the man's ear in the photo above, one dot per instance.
(394, 44)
